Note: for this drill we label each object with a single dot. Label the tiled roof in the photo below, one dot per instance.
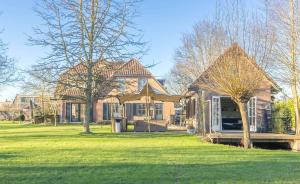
(132, 68)
(109, 67)
(71, 92)
(236, 49)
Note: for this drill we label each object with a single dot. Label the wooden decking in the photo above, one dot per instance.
(235, 137)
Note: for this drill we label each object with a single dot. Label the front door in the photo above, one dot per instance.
(75, 112)
(216, 113)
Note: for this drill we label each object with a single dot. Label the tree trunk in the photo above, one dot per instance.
(200, 111)
(88, 118)
(203, 112)
(296, 107)
(198, 114)
(246, 127)
(31, 111)
(43, 109)
(113, 123)
(294, 74)
(55, 114)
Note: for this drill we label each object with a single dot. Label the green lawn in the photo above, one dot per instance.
(47, 154)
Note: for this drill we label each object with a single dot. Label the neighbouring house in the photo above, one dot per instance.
(127, 98)
(22, 103)
(7, 111)
(30, 105)
(221, 113)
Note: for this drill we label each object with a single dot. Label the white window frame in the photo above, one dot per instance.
(216, 117)
(252, 113)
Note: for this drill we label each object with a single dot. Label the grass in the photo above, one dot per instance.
(47, 154)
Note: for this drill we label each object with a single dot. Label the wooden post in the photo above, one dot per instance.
(203, 112)
(113, 128)
(124, 120)
(63, 112)
(198, 112)
(148, 107)
(55, 113)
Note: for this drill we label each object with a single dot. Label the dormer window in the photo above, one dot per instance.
(121, 84)
(23, 99)
(141, 83)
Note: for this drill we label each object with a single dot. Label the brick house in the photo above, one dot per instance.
(131, 77)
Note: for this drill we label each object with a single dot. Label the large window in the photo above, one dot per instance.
(73, 112)
(23, 100)
(158, 111)
(141, 83)
(140, 109)
(106, 111)
(121, 84)
(68, 111)
(109, 109)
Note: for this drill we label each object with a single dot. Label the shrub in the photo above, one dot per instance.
(282, 118)
(19, 118)
(48, 118)
(22, 117)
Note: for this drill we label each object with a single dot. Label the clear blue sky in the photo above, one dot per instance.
(163, 22)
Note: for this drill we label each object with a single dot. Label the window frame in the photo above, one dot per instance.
(77, 114)
(69, 112)
(159, 107)
(251, 113)
(140, 109)
(121, 82)
(109, 109)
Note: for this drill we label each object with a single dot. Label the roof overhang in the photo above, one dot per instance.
(150, 92)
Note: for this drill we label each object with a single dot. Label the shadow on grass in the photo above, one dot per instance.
(8, 126)
(59, 134)
(139, 135)
(234, 172)
(15, 125)
(4, 156)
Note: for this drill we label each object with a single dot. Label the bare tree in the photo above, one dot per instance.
(285, 19)
(81, 36)
(36, 85)
(236, 75)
